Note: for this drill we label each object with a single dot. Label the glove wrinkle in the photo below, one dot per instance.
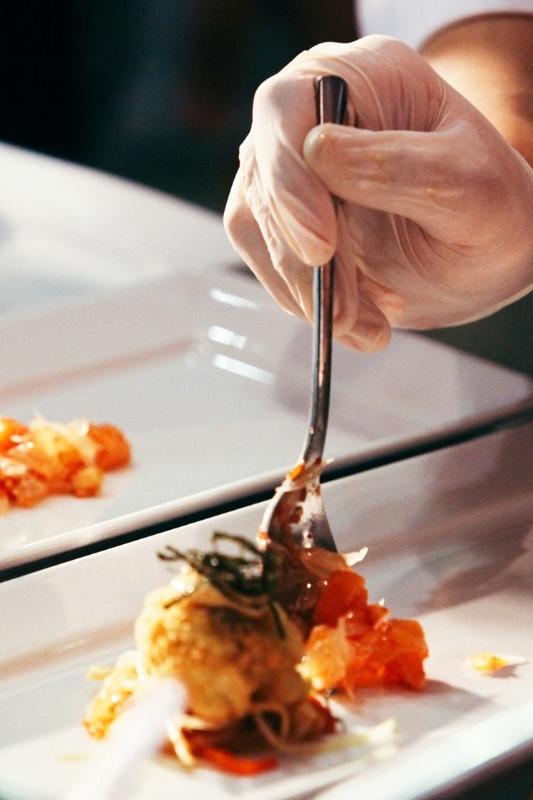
(434, 228)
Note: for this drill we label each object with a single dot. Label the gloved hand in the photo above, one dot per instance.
(435, 224)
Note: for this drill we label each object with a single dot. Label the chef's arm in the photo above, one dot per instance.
(489, 60)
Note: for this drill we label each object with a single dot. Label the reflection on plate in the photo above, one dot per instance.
(450, 541)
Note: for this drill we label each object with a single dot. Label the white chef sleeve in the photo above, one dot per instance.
(414, 21)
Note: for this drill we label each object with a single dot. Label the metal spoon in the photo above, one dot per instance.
(296, 511)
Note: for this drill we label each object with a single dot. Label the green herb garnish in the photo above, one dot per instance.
(248, 578)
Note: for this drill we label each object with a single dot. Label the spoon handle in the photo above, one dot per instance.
(330, 96)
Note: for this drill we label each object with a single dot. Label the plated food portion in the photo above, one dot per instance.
(450, 543)
(260, 636)
(45, 458)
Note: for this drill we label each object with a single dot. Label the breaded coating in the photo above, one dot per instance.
(228, 660)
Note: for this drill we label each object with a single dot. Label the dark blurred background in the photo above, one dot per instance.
(160, 91)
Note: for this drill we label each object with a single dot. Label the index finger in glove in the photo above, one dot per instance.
(295, 203)
(298, 205)
(247, 239)
(359, 324)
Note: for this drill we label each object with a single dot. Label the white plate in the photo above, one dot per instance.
(210, 382)
(133, 315)
(450, 541)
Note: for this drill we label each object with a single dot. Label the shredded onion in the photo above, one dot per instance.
(377, 734)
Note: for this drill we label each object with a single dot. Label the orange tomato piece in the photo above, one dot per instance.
(112, 447)
(8, 429)
(344, 591)
(407, 668)
(26, 490)
(393, 652)
(357, 645)
(36, 460)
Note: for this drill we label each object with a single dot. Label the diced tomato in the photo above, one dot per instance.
(54, 471)
(366, 675)
(112, 447)
(48, 458)
(391, 653)
(235, 765)
(408, 650)
(357, 645)
(376, 614)
(343, 592)
(8, 429)
(408, 669)
(25, 491)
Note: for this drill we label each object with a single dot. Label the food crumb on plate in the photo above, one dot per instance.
(489, 663)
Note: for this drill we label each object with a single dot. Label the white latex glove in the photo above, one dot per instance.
(435, 226)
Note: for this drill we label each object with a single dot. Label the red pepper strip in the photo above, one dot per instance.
(236, 765)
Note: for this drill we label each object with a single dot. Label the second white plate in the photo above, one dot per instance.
(210, 381)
